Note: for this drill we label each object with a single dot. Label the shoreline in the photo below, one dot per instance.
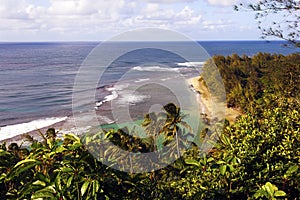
(197, 84)
(205, 99)
(203, 95)
(60, 127)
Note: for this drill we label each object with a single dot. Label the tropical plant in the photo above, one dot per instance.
(255, 158)
(252, 152)
(53, 169)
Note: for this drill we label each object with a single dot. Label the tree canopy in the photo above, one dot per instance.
(257, 157)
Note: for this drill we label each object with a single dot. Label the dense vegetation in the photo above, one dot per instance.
(248, 79)
(255, 158)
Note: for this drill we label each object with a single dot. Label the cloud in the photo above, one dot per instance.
(85, 19)
(222, 2)
(229, 2)
(151, 7)
(217, 25)
(84, 7)
(169, 1)
(13, 9)
(156, 16)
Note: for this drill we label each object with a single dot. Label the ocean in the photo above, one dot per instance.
(37, 80)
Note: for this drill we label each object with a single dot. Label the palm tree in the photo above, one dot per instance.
(166, 124)
(173, 122)
(153, 124)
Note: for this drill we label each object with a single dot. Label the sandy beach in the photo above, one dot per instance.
(208, 107)
(203, 95)
(204, 98)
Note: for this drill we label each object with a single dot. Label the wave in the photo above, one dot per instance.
(191, 64)
(142, 80)
(107, 98)
(18, 129)
(115, 90)
(117, 87)
(166, 79)
(154, 69)
(126, 99)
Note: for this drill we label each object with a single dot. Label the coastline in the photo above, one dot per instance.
(204, 99)
(203, 95)
(197, 84)
(60, 127)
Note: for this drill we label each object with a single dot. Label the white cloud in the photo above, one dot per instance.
(169, 1)
(222, 2)
(229, 2)
(13, 9)
(85, 8)
(155, 16)
(75, 19)
(151, 7)
(217, 25)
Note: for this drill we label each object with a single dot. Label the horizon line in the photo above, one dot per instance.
(95, 41)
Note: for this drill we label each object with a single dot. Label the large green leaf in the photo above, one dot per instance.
(96, 187)
(292, 169)
(72, 137)
(69, 182)
(26, 161)
(58, 183)
(4, 153)
(45, 193)
(192, 162)
(223, 169)
(84, 187)
(66, 169)
(40, 183)
(280, 193)
(22, 166)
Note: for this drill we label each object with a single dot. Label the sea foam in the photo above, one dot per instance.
(191, 64)
(132, 99)
(154, 68)
(18, 129)
(108, 98)
(142, 80)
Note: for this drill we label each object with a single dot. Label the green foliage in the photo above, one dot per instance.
(251, 153)
(248, 79)
(269, 191)
(52, 169)
(255, 158)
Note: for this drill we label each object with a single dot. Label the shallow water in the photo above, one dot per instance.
(37, 81)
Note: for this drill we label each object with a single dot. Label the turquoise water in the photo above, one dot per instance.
(37, 78)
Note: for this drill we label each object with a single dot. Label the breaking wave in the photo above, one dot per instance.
(17, 129)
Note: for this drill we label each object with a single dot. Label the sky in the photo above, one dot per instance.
(99, 20)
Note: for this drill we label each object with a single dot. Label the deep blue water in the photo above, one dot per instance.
(37, 78)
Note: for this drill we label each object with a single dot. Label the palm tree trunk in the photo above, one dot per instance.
(177, 143)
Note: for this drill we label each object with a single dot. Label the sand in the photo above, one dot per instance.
(209, 107)
(203, 96)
